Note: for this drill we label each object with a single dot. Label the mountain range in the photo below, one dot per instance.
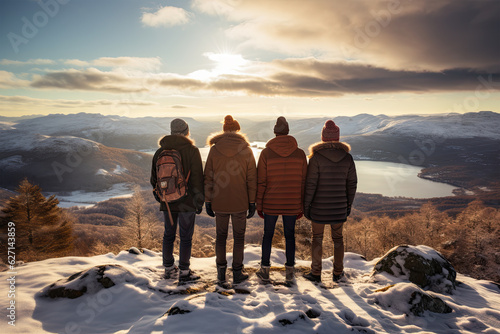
(93, 151)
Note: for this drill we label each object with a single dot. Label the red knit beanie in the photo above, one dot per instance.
(230, 124)
(331, 132)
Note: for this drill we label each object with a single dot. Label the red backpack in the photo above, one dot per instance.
(171, 186)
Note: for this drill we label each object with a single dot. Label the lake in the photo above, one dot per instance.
(385, 178)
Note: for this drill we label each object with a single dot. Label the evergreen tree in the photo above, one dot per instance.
(42, 228)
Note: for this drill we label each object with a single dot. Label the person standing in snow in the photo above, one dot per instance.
(329, 192)
(183, 211)
(281, 175)
(230, 190)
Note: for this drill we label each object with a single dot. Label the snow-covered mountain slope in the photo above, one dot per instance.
(17, 141)
(102, 128)
(67, 163)
(141, 302)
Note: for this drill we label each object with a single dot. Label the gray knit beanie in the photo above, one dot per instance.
(179, 127)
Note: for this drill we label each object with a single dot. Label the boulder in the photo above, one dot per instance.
(421, 265)
(409, 299)
(90, 281)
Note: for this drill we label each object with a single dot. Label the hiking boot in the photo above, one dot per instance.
(187, 276)
(312, 277)
(239, 276)
(338, 277)
(170, 272)
(263, 273)
(290, 274)
(221, 276)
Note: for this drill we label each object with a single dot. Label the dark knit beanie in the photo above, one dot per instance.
(331, 132)
(230, 124)
(179, 127)
(281, 127)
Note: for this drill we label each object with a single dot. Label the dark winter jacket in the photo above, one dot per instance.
(191, 161)
(331, 182)
(281, 176)
(230, 173)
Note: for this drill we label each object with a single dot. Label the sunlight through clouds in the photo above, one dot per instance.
(225, 63)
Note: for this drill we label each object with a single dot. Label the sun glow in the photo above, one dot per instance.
(225, 63)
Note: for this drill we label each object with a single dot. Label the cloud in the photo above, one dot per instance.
(91, 79)
(8, 62)
(167, 17)
(304, 77)
(8, 80)
(142, 63)
(65, 103)
(396, 34)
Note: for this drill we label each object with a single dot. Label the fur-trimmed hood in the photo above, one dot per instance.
(333, 150)
(228, 143)
(175, 141)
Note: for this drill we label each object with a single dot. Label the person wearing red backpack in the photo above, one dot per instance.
(183, 211)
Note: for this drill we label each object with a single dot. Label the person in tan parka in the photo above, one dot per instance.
(230, 190)
(281, 175)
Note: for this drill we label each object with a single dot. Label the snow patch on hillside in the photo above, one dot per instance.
(15, 141)
(12, 163)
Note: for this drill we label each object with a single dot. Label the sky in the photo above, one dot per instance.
(251, 58)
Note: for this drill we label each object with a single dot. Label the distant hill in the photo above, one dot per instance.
(65, 163)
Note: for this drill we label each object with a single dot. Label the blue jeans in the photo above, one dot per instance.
(186, 229)
(267, 240)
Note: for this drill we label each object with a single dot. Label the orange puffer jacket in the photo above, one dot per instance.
(281, 174)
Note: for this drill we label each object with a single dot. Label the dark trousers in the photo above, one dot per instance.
(267, 240)
(186, 229)
(239, 222)
(317, 247)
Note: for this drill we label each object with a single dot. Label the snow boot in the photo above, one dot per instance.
(170, 272)
(221, 277)
(239, 276)
(337, 278)
(263, 273)
(313, 278)
(187, 276)
(290, 275)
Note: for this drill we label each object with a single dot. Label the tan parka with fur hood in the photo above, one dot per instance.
(331, 183)
(230, 173)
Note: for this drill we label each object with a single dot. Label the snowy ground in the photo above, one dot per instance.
(140, 301)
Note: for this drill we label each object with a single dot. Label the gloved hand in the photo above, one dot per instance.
(208, 208)
(198, 210)
(348, 210)
(299, 216)
(261, 214)
(251, 210)
(157, 198)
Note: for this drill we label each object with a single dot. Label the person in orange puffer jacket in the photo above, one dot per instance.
(281, 174)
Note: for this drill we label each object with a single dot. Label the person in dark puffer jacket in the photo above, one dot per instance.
(329, 192)
(183, 211)
(281, 175)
